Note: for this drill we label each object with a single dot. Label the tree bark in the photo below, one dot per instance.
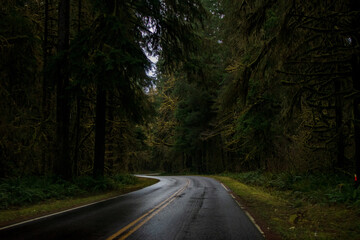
(62, 164)
(79, 16)
(78, 112)
(45, 59)
(356, 109)
(77, 133)
(355, 63)
(45, 84)
(340, 151)
(99, 154)
(110, 126)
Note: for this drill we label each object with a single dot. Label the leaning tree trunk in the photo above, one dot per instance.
(62, 164)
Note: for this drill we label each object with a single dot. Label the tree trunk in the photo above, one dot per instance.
(355, 63)
(356, 109)
(62, 164)
(219, 145)
(45, 84)
(45, 59)
(78, 112)
(110, 139)
(99, 155)
(77, 133)
(340, 158)
(79, 16)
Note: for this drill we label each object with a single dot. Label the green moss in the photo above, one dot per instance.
(300, 219)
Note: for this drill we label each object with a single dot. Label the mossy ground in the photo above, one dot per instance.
(21, 213)
(298, 219)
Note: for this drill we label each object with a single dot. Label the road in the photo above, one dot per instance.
(181, 207)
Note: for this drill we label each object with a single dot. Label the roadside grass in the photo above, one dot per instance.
(22, 201)
(293, 214)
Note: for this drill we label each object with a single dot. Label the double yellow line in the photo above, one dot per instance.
(136, 224)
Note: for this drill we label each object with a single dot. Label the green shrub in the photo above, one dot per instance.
(315, 187)
(30, 190)
(125, 179)
(253, 178)
(85, 183)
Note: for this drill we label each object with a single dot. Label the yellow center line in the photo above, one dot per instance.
(157, 209)
(146, 220)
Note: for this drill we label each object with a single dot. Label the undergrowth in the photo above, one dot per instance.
(284, 216)
(316, 188)
(30, 190)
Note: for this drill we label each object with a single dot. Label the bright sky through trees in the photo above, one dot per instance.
(152, 71)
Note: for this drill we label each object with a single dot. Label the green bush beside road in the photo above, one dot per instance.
(30, 197)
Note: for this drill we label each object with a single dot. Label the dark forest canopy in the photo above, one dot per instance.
(240, 85)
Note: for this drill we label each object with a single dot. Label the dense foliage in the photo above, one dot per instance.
(74, 85)
(273, 86)
(240, 85)
(16, 192)
(314, 188)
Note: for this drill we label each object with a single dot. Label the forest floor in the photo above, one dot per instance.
(15, 214)
(285, 214)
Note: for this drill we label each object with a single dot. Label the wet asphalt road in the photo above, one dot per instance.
(178, 207)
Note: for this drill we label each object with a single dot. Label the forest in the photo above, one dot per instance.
(237, 86)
